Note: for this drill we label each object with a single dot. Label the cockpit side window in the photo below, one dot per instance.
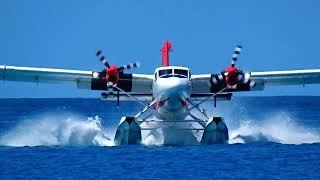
(165, 73)
(181, 73)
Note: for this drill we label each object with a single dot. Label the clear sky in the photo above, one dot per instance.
(275, 34)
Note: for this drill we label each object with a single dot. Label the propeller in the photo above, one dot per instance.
(102, 58)
(112, 72)
(232, 77)
(235, 55)
(232, 73)
(129, 66)
(235, 77)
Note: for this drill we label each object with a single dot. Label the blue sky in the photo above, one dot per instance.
(276, 35)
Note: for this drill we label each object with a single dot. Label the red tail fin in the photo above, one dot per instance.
(165, 53)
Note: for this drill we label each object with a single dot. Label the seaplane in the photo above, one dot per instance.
(170, 96)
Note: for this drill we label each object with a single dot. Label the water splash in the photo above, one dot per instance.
(50, 130)
(73, 130)
(280, 128)
(169, 134)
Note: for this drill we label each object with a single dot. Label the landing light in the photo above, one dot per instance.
(95, 74)
(247, 75)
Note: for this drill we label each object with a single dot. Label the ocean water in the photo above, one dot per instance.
(270, 138)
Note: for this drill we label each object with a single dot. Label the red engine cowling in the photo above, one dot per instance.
(112, 75)
(231, 76)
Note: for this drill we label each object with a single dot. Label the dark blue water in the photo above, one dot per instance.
(270, 138)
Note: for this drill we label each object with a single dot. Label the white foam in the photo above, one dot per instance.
(73, 130)
(279, 128)
(52, 129)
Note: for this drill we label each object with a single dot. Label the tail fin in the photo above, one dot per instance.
(165, 53)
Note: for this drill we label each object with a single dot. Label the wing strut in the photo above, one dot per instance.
(134, 98)
(118, 98)
(213, 95)
(146, 108)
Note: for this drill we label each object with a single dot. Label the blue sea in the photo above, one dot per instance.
(270, 138)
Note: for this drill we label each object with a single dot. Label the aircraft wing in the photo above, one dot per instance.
(212, 83)
(292, 77)
(139, 83)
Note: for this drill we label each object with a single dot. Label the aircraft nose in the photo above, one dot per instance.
(175, 89)
(174, 85)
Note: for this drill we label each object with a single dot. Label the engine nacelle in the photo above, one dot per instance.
(233, 80)
(100, 82)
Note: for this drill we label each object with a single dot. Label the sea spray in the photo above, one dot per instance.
(278, 128)
(51, 129)
(74, 130)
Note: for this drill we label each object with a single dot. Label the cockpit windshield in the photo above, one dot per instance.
(165, 73)
(180, 73)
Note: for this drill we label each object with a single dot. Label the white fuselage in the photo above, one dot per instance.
(172, 89)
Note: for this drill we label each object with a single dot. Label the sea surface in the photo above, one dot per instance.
(270, 138)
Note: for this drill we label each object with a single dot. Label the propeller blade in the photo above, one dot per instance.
(247, 80)
(235, 55)
(129, 66)
(102, 58)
